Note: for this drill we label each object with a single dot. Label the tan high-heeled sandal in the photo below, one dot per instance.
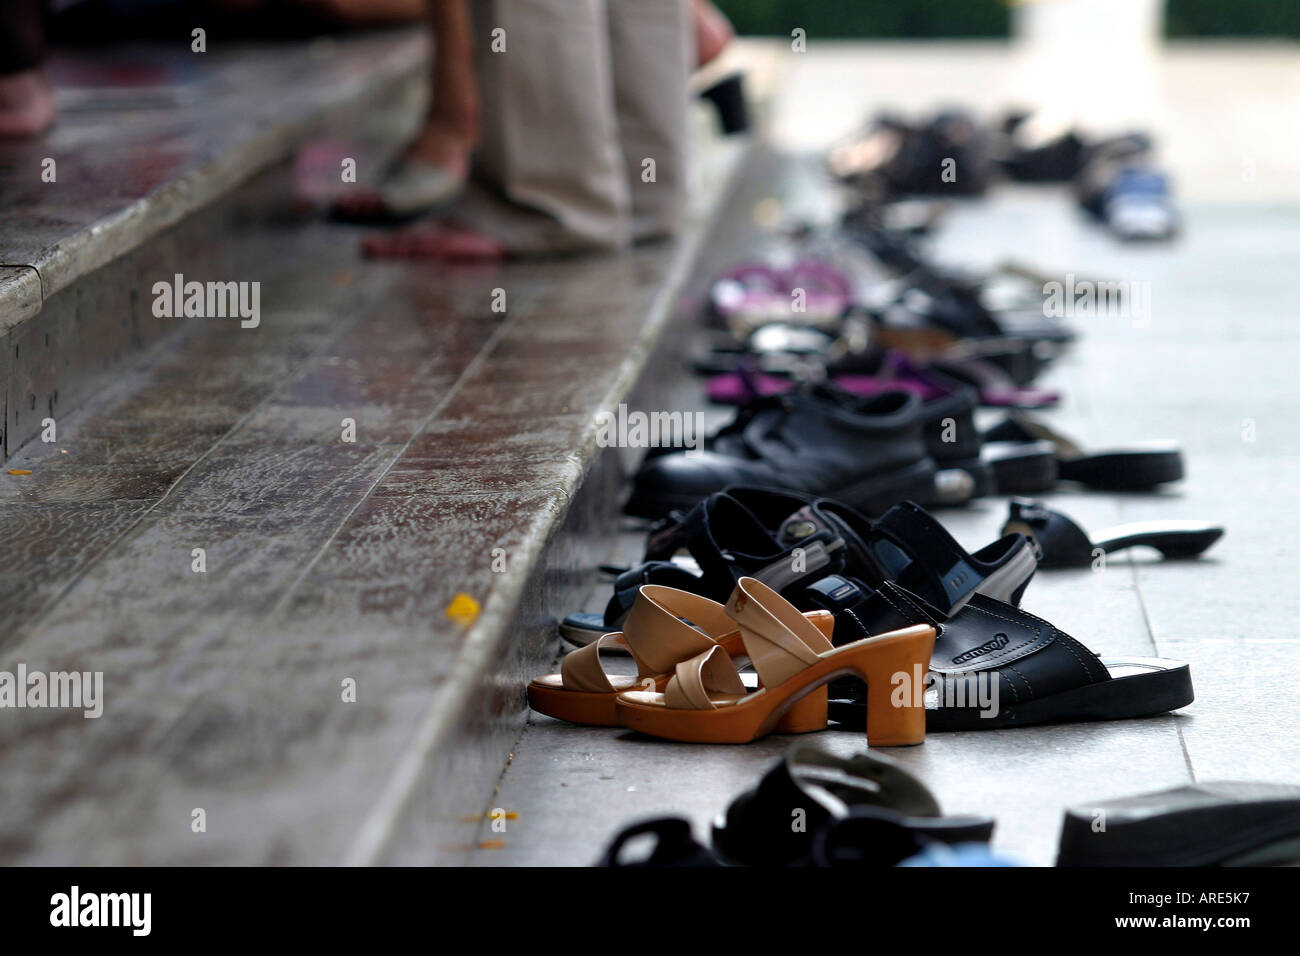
(658, 636)
(706, 702)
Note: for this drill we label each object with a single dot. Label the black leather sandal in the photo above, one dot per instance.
(730, 535)
(757, 531)
(1206, 824)
(1136, 468)
(1063, 544)
(756, 829)
(995, 665)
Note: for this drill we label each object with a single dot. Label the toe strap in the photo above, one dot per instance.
(695, 681)
(581, 669)
(1060, 542)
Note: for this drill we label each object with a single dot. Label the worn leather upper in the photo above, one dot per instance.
(816, 441)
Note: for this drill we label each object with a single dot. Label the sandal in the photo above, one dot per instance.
(674, 845)
(1021, 468)
(995, 665)
(753, 295)
(665, 627)
(1204, 824)
(757, 532)
(728, 536)
(755, 830)
(1135, 468)
(705, 700)
(1063, 544)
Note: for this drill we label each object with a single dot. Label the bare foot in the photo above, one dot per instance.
(26, 103)
(713, 31)
(437, 241)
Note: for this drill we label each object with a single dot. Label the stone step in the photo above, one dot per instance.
(266, 594)
(122, 191)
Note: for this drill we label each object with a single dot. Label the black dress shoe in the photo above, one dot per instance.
(869, 453)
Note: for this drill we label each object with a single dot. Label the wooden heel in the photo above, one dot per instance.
(806, 715)
(895, 672)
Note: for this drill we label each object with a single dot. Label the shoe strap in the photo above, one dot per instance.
(695, 681)
(779, 640)
(705, 531)
(1056, 538)
(665, 626)
(917, 551)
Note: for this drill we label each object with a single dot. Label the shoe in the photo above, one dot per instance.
(664, 628)
(1135, 468)
(1063, 544)
(995, 665)
(1120, 187)
(868, 453)
(1204, 824)
(827, 789)
(705, 701)
(1021, 468)
(674, 845)
(408, 188)
(1040, 149)
(948, 155)
(727, 536)
(769, 534)
(728, 98)
(995, 387)
(751, 296)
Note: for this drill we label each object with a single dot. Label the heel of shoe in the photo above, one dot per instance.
(728, 98)
(806, 715)
(896, 708)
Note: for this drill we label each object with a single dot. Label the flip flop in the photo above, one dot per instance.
(1063, 544)
(755, 829)
(995, 665)
(1138, 467)
(1204, 824)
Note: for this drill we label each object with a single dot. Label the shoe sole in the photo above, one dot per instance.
(1123, 470)
(1166, 688)
(1026, 470)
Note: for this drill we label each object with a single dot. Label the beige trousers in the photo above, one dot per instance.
(585, 119)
